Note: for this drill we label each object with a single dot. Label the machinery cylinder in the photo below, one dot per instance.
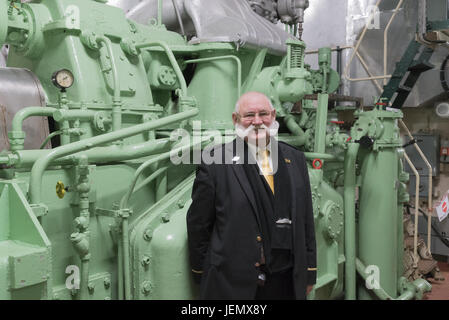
(215, 83)
(378, 219)
(20, 88)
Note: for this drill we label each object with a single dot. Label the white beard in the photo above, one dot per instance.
(243, 132)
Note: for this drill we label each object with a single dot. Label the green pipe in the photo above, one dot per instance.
(51, 135)
(125, 199)
(171, 58)
(63, 115)
(293, 140)
(237, 61)
(350, 230)
(159, 12)
(150, 178)
(17, 135)
(126, 258)
(42, 163)
(26, 158)
(84, 280)
(295, 129)
(116, 104)
(321, 123)
(418, 287)
(120, 269)
(322, 156)
(27, 112)
(64, 126)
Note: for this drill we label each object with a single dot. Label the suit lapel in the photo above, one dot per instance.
(237, 168)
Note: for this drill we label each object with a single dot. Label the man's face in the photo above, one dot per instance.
(255, 111)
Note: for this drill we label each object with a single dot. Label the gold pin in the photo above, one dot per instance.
(287, 160)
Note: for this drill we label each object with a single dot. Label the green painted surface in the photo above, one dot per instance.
(133, 85)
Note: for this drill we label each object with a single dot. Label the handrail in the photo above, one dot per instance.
(430, 190)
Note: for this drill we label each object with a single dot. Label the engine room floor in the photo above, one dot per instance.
(440, 289)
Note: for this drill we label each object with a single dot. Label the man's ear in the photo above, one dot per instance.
(234, 118)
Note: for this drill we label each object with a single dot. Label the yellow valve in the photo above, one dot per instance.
(60, 189)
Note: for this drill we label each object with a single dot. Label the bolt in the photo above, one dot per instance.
(148, 234)
(107, 283)
(146, 287)
(165, 218)
(145, 261)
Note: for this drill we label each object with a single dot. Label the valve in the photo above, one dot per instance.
(61, 189)
(366, 142)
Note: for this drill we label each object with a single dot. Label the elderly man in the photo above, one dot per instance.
(250, 225)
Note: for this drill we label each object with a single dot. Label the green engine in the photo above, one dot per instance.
(100, 214)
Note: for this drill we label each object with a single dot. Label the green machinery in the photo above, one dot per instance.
(101, 215)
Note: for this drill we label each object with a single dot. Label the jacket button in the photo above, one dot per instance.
(259, 238)
(257, 264)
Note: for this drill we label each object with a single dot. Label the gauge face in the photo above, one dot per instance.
(62, 79)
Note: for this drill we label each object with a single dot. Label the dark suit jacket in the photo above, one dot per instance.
(224, 234)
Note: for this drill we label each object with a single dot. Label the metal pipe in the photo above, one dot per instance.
(346, 72)
(150, 178)
(159, 12)
(64, 115)
(322, 156)
(26, 158)
(239, 67)
(365, 66)
(430, 190)
(171, 58)
(349, 223)
(51, 135)
(17, 135)
(17, 121)
(321, 123)
(178, 16)
(42, 163)
(294, 128)
(415, 236)
(120, 269)
(116, 102)
(126, 259)
(386, 37)
(408, 294)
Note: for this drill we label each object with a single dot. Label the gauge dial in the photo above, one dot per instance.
(62, 79)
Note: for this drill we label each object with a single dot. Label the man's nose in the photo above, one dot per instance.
(257, 120)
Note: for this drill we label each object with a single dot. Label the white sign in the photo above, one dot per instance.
(442, 208)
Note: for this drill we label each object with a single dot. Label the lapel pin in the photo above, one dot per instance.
(287, 160)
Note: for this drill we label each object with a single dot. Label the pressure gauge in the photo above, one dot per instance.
(62, 79)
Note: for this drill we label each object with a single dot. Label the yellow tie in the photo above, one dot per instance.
(266, 170)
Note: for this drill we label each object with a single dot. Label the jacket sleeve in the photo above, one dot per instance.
(309, 228)
(201, 218)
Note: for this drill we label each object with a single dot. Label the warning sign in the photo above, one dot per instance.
(442, 209)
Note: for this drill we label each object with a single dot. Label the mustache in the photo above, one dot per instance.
(243, 132)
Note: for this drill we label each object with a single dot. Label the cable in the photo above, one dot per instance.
(434, 227)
